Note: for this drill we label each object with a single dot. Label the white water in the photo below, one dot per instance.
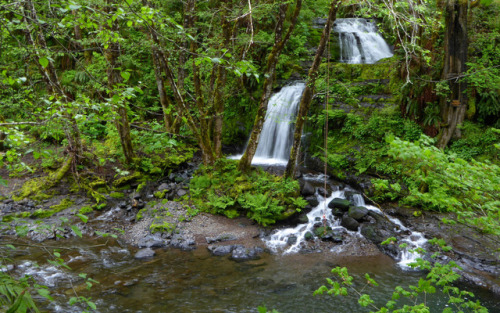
(276, 136)
(278, 241)
(360, 41)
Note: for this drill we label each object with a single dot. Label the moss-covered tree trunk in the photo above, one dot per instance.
(272, 59)
(455, 44)
(307, 95)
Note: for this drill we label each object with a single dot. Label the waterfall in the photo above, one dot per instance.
(360, 41)
(276, 136)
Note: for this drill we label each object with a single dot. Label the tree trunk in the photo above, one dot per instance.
(307, 95)
(114, 78)
(51, 79)
(272, 60)
(455, 45)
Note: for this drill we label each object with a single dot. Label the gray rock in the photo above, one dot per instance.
(241, 253)
(357, 212)
(291, 240)
(339, 203)
(349, 223)
(312, 200)
(163, 186)
(323, 192)
(307, 190)
(152, 242)
(303, 219)
(145, 254)
(220, 250)
(181, 192)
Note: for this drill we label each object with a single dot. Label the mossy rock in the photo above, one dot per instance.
(86, 209)
(117, 195)
(63, 205)
(161, 194)
(126, 180)
(41, 196)
(287, 214)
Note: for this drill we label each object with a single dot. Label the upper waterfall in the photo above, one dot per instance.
(360, 41)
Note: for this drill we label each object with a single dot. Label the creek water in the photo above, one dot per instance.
(195, 281)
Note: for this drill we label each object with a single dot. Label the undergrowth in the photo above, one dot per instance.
(265, 198)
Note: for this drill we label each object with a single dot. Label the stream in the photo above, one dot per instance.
(195, 281)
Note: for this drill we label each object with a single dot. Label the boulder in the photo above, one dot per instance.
(240, 253)
(152, 242)
(307, 190)
(220, 250)
(291, 240)
(145, 254)
(357, 212)
(323, 192)
(349, 223)
(308, 236)
(312, 200)
(339, 203)
(303, 219)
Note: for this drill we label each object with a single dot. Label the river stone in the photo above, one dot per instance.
(323, 192)
(349, 223)
(220, 250)
(308, 236)
(339, 203)
(163, 186)
(307, 190)
(145, 253)
(303, 219)
(291, 240)
(181, 192)
(241, 253)
(357, 212)
(312, 200)
(152, 242)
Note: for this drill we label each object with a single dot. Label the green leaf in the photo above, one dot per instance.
(76, 230)
(125, 76)
(74, 6)
(45, 293)
(83, 217)
(44, 62)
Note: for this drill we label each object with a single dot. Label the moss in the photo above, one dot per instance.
(161, 227)
(36, 185)
(63, 205)
(117, 195)
(85, 209)
(41, 196)
(127, 179)
(141, 186)
(140, 214)
(98, 183)
(160, 194)
(99, 207)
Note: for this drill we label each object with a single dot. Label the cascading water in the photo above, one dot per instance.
(277, 132)
(360, 41)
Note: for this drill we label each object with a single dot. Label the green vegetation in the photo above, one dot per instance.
(265, 198)
(63, 205)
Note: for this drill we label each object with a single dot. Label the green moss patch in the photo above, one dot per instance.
(63, 205)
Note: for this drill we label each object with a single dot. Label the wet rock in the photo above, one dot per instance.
(357, 212)
(337, 212)
(349, 223)
(220, 250)
(323, 192)
(241, 253)
(145, 254)
(291, 240)
(122, 204)
(221, 237)
(307, 190)
(308, 236)
(312, 200)
(336, 236)
(303, 219)
(339, 203)
(152, 242)
(184, 243)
